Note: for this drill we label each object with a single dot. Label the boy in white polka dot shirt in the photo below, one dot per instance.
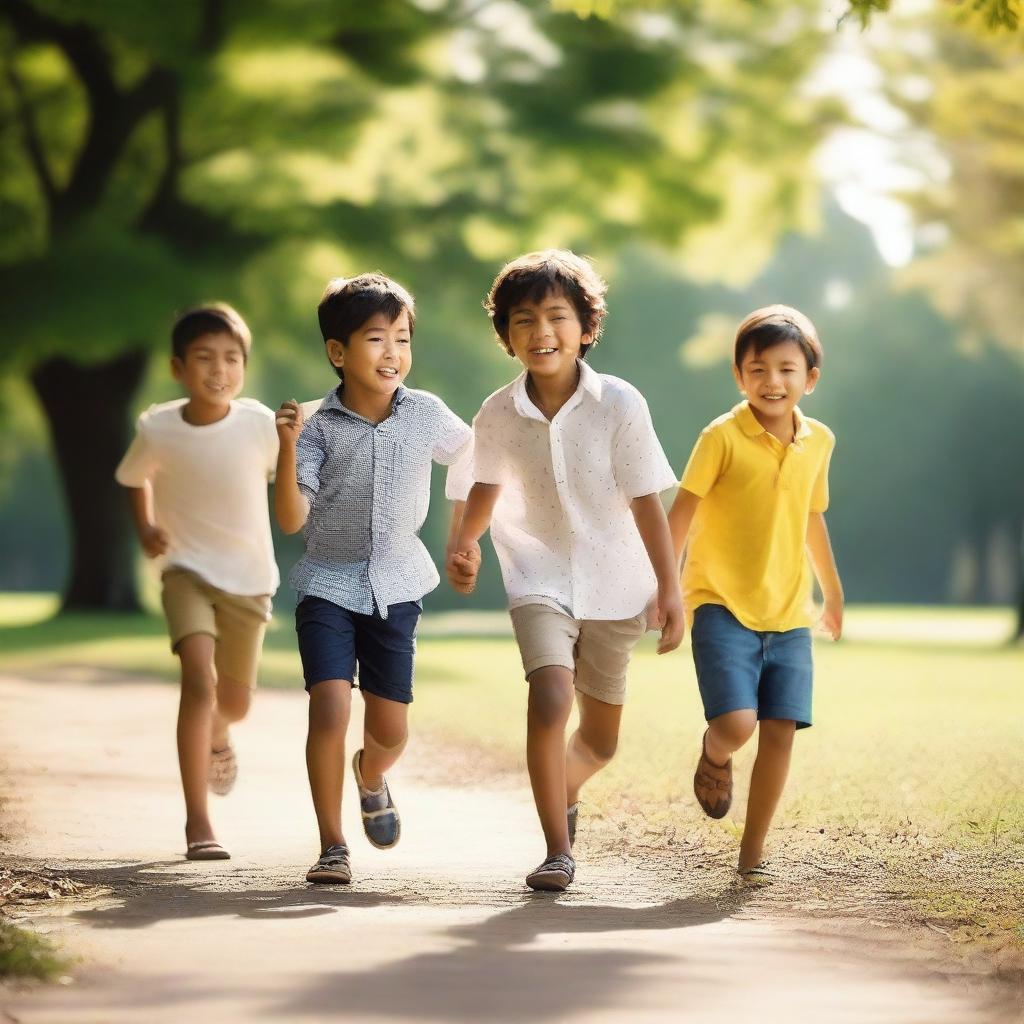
(568, 471)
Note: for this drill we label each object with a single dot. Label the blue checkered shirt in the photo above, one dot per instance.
(368, 487)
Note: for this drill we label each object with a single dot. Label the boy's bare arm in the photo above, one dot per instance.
(458, 511)
(819, 547)
(667, 610)
(290, 505)
(153, 539)
(680, 518)
(463, 561)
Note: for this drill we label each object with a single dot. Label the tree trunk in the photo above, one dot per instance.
(87, 408)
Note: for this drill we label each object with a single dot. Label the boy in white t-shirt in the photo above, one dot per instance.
(568, 471)
(197, 474)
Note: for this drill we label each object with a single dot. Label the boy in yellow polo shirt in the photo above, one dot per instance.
(749, 511)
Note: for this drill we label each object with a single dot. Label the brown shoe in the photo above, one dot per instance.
(712, 784)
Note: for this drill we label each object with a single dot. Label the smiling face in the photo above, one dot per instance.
(212, 370)
(377, 356)
(775, 379)
(546, 336)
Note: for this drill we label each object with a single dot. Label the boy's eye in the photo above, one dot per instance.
(404, 341)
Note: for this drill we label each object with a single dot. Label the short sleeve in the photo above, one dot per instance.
(819, 493)
(705, 464)
(638, 460)
(489, 464)
(454, 437)
(309, 458)
(140, 461)
(271, 446)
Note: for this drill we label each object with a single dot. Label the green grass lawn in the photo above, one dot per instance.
(908, 784)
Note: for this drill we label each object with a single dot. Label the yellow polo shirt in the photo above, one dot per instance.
(747, 547)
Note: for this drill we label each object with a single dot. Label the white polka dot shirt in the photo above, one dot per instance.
(562, 529)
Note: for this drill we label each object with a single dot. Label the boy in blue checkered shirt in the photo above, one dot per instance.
(356, 476)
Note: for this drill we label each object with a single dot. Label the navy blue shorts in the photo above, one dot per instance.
(742, 668)
(335, 643)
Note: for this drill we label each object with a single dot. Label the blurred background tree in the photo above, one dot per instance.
(155, 158)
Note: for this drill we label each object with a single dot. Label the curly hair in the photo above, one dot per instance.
(536, 275)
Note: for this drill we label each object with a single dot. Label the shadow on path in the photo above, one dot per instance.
(490, 975)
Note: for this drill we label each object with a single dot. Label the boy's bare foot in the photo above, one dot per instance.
(223, 770)
(712, 784)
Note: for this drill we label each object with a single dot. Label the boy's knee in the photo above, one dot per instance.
(550, 700)
(387, 738)
(233, 699)
(735, 728)
(598, 750)
(777, 733)
(330, 706)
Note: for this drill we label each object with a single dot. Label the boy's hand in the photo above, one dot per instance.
(665, 612)
(831, 621)
(154, 541)
(463, 567)
(289, 422)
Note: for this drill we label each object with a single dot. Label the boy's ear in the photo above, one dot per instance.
(335, 352)
(177, 367)
(739, 378)
(813, 376)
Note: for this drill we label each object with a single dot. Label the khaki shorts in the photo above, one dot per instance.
(596, 650)
(236, 622)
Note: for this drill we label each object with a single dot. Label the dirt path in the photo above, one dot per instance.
(440, 929)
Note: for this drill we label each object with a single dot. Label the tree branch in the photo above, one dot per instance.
(30, 131)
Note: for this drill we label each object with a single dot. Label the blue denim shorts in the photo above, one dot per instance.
(335, 643)
(742, 668)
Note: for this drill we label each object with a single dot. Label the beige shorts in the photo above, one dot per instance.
(236, 622)
(596, 650)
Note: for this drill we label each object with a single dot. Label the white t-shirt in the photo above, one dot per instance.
(562, 528)
(210, 491)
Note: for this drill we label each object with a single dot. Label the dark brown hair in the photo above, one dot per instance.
(535, 276)
(212, 318)
(774, 325)
(347, 303)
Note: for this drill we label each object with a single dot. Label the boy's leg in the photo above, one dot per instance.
(592, 745)
(727, 733)
(785, 697)
(602, 660)
(330, 706)
(550, 703)
(241, 625)
(233, 701)
(385, 733)
(195, 728)
(774, 748)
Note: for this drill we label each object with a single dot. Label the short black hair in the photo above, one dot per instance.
(534, 276)
(347, 303)
(211, 318)
(774, 325)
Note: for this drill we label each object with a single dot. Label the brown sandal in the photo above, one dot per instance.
(712, 784)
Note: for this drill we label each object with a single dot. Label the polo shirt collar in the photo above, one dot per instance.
(332, 400)
(750, 425)
(589, 382)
